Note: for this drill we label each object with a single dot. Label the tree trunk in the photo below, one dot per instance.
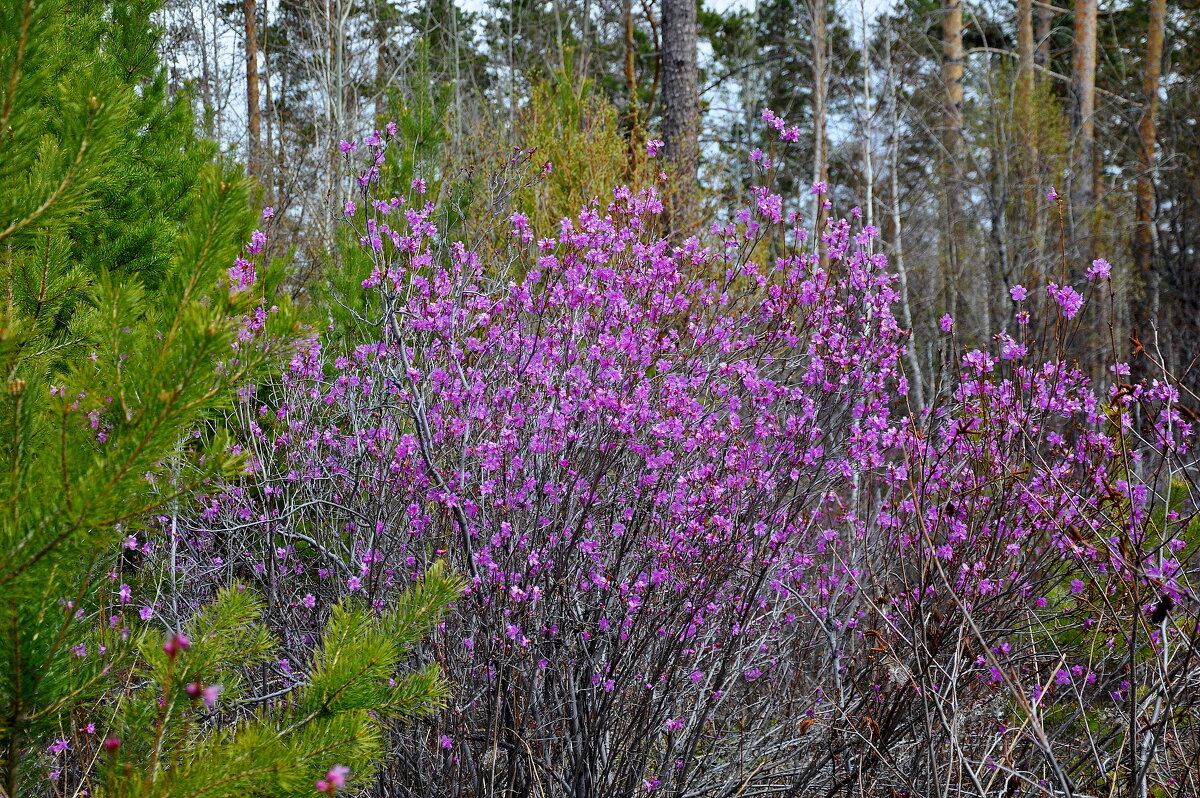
(634, 151)
(1027, 131)
(681, 98)
(630, 66)
(1025, 67)
(1143, 233)
(868, 111)
(820, 45)
(268, 165)
(253, 111)
(1083, 127)
(953, 58)
(1045, 24)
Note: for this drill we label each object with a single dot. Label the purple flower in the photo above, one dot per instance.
(1068, 299)
(946, 322)
(58, 746)
(771, 119)
(1018, 293)
(978, 361)
(653, 146)
(346, 146)
(1099, 270)
(125, 593)
(1052, 195)
(258, 240)
(309, 600)
(446, 741)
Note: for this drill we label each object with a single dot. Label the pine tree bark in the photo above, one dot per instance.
(820, 90)
(953, 57)
(1143, 234)
(1025, 67)
(253, 110)
(1083, 127)
(681, 98)
(952, 80)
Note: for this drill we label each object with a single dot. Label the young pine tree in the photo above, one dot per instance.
(108, 403)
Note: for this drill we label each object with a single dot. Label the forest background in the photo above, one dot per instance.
(948, 125)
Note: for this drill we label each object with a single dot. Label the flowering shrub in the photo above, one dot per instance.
(708, 544)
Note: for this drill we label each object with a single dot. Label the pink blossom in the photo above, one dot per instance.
(1099, 270)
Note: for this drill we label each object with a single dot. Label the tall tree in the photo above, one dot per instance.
(953, 57)
(1027, 127)
(1143, 233)
(1083, 126)
(820, 93)
(253, 110)
(1025, 67)
(681, 95)
(630, 67)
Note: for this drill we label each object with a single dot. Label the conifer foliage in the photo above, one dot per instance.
(128, 306)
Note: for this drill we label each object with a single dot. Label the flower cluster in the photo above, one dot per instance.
(697, 515)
